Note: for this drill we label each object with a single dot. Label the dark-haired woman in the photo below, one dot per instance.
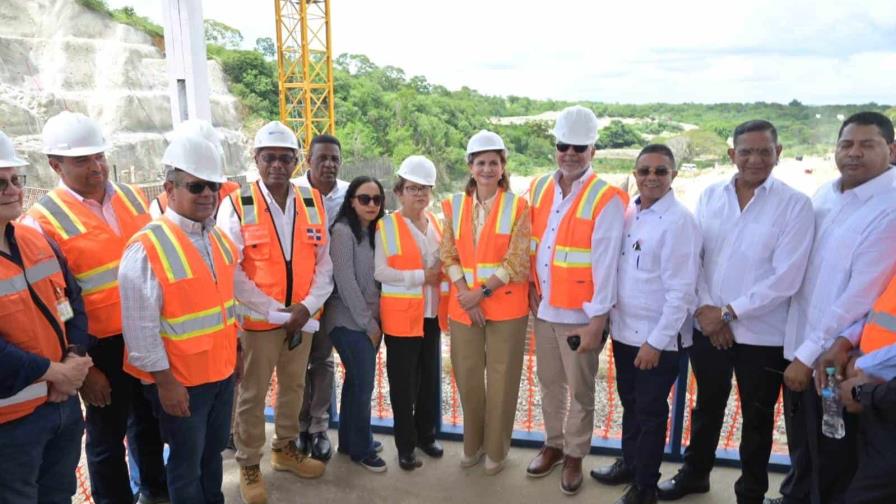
(351, 315)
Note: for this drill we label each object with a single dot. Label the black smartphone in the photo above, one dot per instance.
(295, 340)
(573, 340)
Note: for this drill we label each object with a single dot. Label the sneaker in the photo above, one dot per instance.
(289, 458)
(373, 463)
(467, 462)
(252, 485)
(377, 446)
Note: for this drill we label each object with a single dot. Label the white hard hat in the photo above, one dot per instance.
(72, 134)
(276, 134)
(485, 140)
(8, 156)
(418, 169)
(196, 156)
(576, 125)
(199, 127)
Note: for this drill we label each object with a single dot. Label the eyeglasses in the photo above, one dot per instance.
(198, 187)
(563, 147)
(414, 190)
(286, 159)
(366, 199)
(16, 180)
(659, 172)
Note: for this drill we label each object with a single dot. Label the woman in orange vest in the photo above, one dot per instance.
(485, 254)
(408, 266)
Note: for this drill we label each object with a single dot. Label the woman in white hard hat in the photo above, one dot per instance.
(485, 252)
(408, 266)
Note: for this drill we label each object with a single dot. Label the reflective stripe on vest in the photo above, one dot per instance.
(572, 257)
(197, 324)
(311, 213)
(247, 201)
(63, 219)
(507, 208)
(457, 212)
(34, 274)
(130, 199)
(29, 393)
(222, 244)
(173, 258)
(885, 320)
(390, 238)
(593, 192)
(538, 189)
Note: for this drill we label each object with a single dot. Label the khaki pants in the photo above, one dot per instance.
(564, 374)
(488, 362)
(262, 352)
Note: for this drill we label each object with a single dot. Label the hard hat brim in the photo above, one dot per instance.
(221, 179)
(13, 163)
(76, 152)
(418, 180)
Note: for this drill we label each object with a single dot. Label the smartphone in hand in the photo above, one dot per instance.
(573, 340)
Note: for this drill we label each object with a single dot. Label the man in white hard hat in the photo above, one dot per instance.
(577, 223)
(281, 234)
(178, 288)
(323, 163)
(92, 220)
(204, 129)
(43, 333)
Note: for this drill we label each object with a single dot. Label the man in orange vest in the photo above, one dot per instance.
(92, 219)
(281, 234)
(43, 329)
(577, 222)
(178, 288)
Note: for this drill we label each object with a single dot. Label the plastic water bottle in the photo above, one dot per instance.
(832, 422)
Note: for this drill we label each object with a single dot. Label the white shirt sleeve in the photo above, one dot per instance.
(606, 241)
(703, 296)
(789, 262)
(384, 274)
(155, 210)
(679, 268)
(141, 305)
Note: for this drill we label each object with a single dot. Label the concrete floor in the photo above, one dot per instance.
(443, 480)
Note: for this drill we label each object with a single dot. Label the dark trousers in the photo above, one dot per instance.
(359, 358)
(874, 479)
(129, 415)
(39, 454)
(759, 372)
(413, 368)
(821, 467)
(195, 466)
(315, 413)
(644, 396)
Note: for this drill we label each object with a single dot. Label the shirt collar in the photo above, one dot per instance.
(880, 183)
(110, 190)
(270, 198)
(189, 226)
(579, 181)
(338, 190)
(765, 186)
(661, 206)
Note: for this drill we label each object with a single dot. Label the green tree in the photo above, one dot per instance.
(221, 34)
(618, 135)
(267, 47)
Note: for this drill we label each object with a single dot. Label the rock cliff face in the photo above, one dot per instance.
(58, 55)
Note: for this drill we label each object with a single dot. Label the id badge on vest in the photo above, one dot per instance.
(63, 307)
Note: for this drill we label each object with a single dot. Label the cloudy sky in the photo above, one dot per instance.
(817, 51)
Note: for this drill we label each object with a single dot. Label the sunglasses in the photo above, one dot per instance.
(286, 159)
(366, 199)
(659, 172)
(16, 180)
(563, 147)
(198, 187)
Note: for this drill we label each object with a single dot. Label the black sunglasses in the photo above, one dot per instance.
(16, 180)
(366, 199)
(198, 187)
(563, 147)
(286, 159)
(659, 172)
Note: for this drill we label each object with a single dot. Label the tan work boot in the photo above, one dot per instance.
(252, 486)
(289, 458)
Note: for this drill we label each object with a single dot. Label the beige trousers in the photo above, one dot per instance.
(488, 362)
(262, 352)
(564, 374)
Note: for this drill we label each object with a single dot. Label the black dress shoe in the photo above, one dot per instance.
(320, 446)
(409, 462)
(304, 443)
(638, 495)
(683, 483)
(433, 449)
(614, 474)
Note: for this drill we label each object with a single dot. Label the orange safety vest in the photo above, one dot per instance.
(402, 308)
(92, 249)
(510, 301)
(21, 322)
(198, 316)
(572, 284)
(880, 329)
(287, 281)
(226, 188)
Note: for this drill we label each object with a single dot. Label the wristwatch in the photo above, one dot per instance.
(857, 393)
(727, 314)
(486, 291)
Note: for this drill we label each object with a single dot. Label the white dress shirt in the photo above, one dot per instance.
(104, 211)
(658, 268)
(606, 239)
(428, 245)
(332, 200)
(850, 265)
(754, 259)
(321, 286)
(141, 295)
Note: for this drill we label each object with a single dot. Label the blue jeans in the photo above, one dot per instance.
(359, 358)
(195, 469)
(39, 454)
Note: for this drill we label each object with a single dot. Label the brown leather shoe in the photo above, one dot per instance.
(571, 477)
(544, 463)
